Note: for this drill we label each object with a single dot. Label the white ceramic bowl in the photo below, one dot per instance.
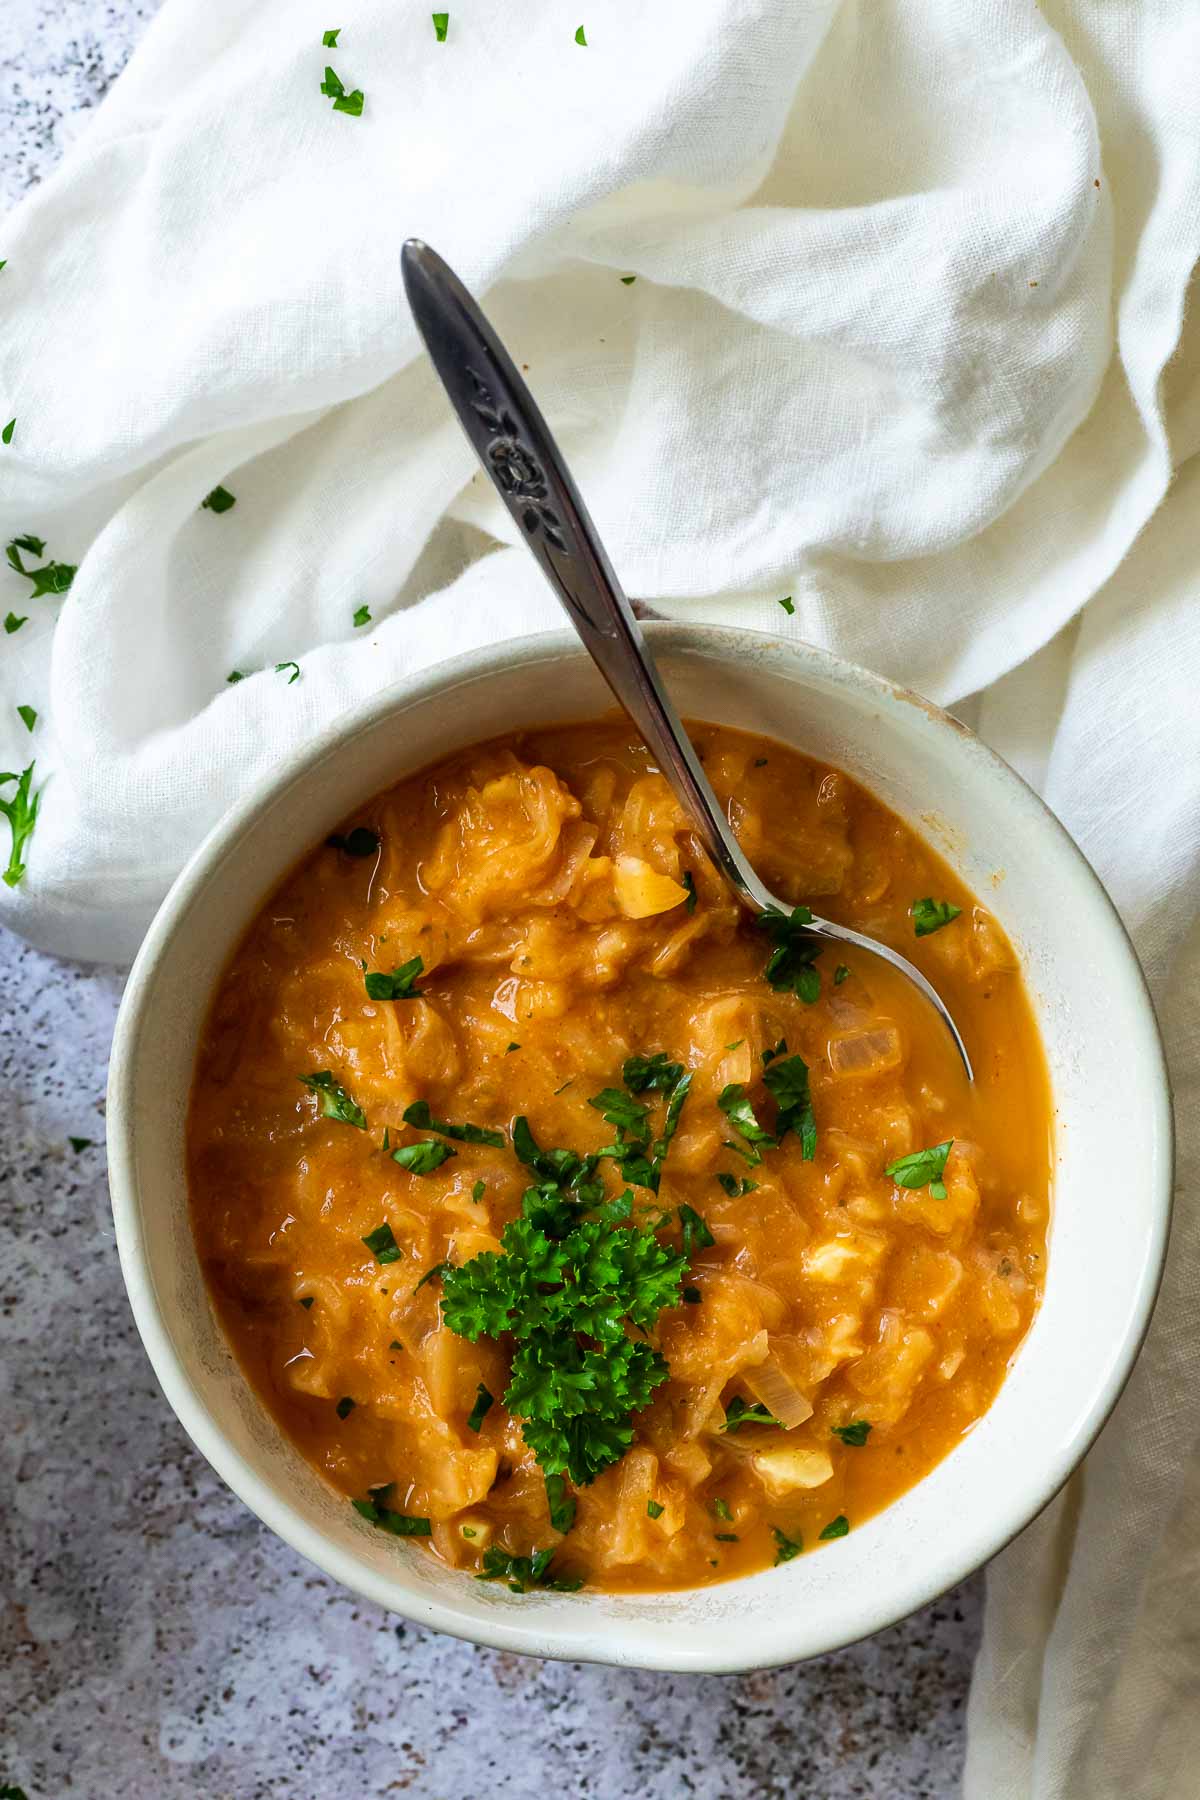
(1110, 1214)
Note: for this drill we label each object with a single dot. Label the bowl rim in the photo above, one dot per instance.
(504, 1630)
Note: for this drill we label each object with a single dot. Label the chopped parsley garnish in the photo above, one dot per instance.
(13, 623)
(696, 1235)
(567, 1291)
(692, 1296)
(439, 1270)
(794, 951)
(566, 1084)
(628, 281)
(306, 1301)
(923, 1166)
(418, 1114)
(788, 605)
(779, 1050)
(787, 1080)
(654, 1509)
(930, 915)
(401, 984)
(27, 716)
(855, 1434)
(563, 1506)
(760, 762)
(689, 882)
(741, 1115)
(77, 1144)
(721, 1508)
(441, 25)
(522, 1572)
(334, 89)
(362, 615)
(395, 1344)
(6, 436)
(478, 1191)
(398, 1523)
(469, 1531)
(293, 666)
(567, 1182)
(235, 675)
(579, 37)
(785, 1547)
(484, 1403)
(511, 1048)
(362, 841)
(344, 1407)
(741, 1412)
(727, 1537)
(735, 1188)
(335, 1101)
(840, 974)
(51, 578)
(21, 811)
(424, 1157)
(836, 1528)
(382, 1244)
(329, 38)
(219, 501)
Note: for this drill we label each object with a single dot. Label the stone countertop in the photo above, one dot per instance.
(156, 1642)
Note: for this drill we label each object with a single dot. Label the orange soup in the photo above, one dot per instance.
(586, 1230)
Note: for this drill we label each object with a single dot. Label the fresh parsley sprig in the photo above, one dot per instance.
(790, 966)
(21, 811)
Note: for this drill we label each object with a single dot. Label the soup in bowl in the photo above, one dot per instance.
(561, 1256)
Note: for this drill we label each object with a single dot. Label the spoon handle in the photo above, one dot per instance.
(515, 446)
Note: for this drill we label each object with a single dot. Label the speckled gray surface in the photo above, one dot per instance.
(155, 1641)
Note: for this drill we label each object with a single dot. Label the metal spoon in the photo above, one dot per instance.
(513, 442)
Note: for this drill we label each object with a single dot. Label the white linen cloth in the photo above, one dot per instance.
(906, 342)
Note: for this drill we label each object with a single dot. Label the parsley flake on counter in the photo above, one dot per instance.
(360, 842)
(13, 623)
(27, 716)
(6, 436)
(787, 1079)
(522, 1572)
(696, 1235)
(836, 1528)
(579, 37)
(423, 1157)
(788, 605)
(401, 984)
(344, 1407)
(794, 952)
(930, 915)
(335, 1101)
(418, 1114)
(219, 500)
(77, 1143)
(741, 1412)
(654, 1509)
(441, 25)
(785, 1547)
(398, 1523)
(382, 1244)
(293, 666)
(21, 811)
(563, 1506)
(922, 1167)
(484, 1403)
(362, 615)
(51, 578)
(855, 1434)
(329, 38)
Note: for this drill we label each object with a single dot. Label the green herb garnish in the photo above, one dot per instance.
(77, 1144)
(335, 1101)
(836, 1528)
(840, 974)
(563, 1506)
(382, 1244)
(6, 436)
(329, 38)
(398, 1523)
(418, 1114)
(484, 1403)
(362, 615)
(741, 1115)
(344, 1407)
(293, 666)
(654, 1509)
(689, 882)
(930, 915)
(235, 675)
(628, 280)
(424, 1157)
(21, 811)
(522, 1572)
(735, 1188)
(360, 842)
(439, 1269)
(790, 965)
(441, 25)
(51, 578)
(13, 623)
(779, 1050)
(691, 1296)
(579, 37)
(923, 1166)
(220, 500)
(741, 1412)
(721, 1508)
(401, 984)
(855, 1434)
(696, 1235)
(306, 1301)
(27, 717)
(333, 88)
(785, 1547)
(787, 1079)
(726, 1537)
(478, 1191)
(788, 605)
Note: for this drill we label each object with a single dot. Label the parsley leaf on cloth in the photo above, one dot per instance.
(21, 811)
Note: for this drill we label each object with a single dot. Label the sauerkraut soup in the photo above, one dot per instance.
(579, 1227)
